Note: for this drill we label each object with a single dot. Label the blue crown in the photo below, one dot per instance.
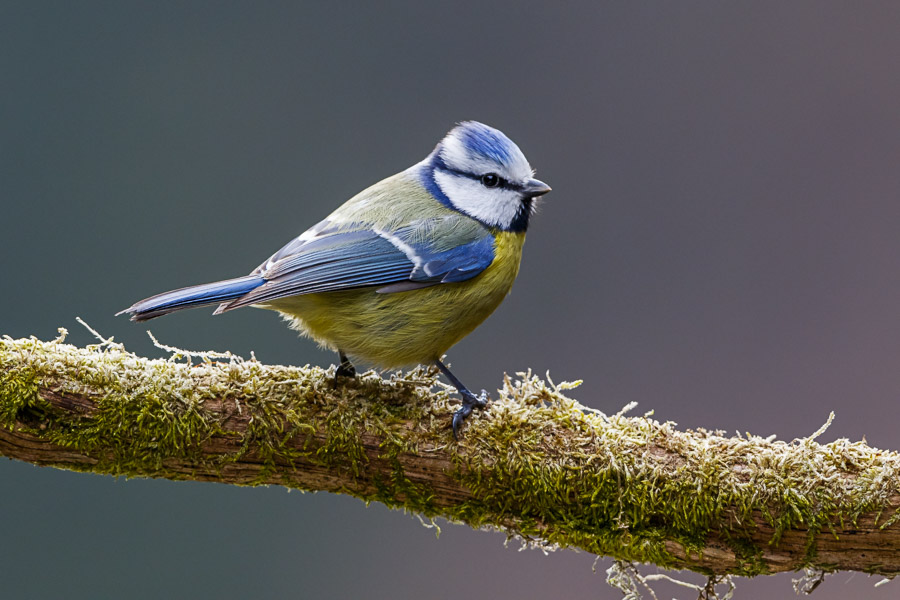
(485, 141)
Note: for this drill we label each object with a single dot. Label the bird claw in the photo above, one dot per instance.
(345, 370)
(469, 402)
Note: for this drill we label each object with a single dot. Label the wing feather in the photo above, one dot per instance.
(329, 258)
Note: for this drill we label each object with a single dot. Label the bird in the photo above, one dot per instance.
(404, 269)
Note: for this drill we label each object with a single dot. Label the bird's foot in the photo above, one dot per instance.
(469, 402)
(345, 369)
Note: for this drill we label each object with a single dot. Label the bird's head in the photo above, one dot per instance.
(479, 171)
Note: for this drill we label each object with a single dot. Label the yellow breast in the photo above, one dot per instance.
(403, 328)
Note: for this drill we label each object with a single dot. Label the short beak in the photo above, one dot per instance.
(535, 187)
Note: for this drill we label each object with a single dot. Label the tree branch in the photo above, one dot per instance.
(535, 463)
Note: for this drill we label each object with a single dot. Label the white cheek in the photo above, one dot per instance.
(495, 207)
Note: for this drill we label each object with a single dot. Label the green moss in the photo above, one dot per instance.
(19, 398)
(537, 464)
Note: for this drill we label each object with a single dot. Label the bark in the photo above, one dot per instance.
(535, 463)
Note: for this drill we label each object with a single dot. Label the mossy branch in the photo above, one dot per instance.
(536, 464)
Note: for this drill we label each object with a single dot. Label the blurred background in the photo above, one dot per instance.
(721, 245)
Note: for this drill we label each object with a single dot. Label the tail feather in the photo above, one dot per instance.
(190, 297)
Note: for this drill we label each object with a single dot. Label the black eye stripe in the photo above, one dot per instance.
(501, 182)
(504, 183)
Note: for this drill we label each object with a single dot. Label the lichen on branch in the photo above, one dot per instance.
(535, 463)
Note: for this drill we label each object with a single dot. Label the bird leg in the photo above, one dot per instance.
(345, 369)
(469, 400)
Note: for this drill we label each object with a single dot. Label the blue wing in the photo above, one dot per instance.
(327, 259)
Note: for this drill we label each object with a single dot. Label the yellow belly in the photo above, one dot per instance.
(403, 328)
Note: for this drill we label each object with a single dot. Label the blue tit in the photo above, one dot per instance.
(403, 270)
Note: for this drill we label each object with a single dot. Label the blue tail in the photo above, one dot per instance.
(189, 297)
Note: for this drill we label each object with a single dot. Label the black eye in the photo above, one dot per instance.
(490, 180)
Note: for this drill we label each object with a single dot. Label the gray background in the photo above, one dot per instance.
(721, 244)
